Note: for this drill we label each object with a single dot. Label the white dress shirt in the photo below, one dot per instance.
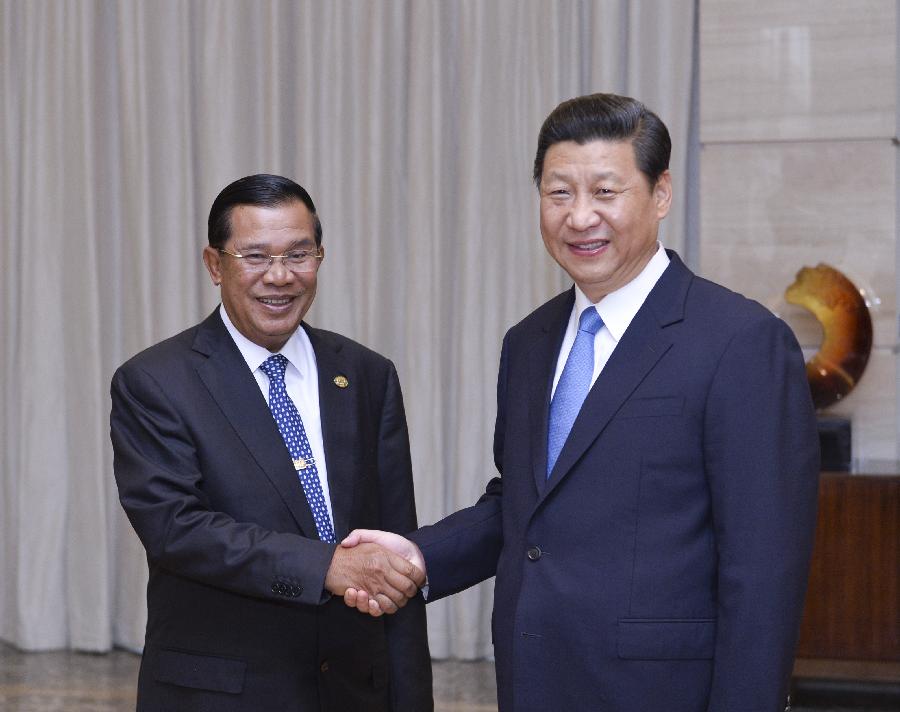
(616, 309)
(301, 380)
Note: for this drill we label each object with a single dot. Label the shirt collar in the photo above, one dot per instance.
(255, 355)
(618, 308)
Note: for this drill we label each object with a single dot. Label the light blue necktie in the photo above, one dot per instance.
(573, 386)
(294, 434)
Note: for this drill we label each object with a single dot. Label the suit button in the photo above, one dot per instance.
(534, 553)
(296, 591)
(324, 666)
(276, 588)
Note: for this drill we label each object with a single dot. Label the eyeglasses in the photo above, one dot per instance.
(294, 260)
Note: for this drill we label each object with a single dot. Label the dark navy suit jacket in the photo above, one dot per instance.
(662, 568)
(237, 617)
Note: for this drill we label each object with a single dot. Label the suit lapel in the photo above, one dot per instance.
(541, 369)
(235, 390)
(641, 347)
(338, 409)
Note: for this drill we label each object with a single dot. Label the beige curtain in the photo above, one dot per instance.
(413, 125)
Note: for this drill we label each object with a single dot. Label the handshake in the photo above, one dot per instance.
(376, 572)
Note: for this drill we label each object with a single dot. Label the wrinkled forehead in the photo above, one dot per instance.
(286, 223)
(599, 159)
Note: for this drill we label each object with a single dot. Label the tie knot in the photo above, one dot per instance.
(590, 321)
(274, 367)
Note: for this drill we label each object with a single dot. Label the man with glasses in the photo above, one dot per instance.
(245, 447)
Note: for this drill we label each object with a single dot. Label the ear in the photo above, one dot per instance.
(322, 250)
(662, 194)
(212, 258)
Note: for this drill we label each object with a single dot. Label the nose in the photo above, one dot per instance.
(277, 272)
(583, 214)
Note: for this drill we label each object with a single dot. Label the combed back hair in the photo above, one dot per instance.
(261, 190)
(608, 117)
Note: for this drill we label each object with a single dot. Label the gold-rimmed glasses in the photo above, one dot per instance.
(294, 260)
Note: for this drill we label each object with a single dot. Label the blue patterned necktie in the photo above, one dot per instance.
(294, 434)
(573, 386)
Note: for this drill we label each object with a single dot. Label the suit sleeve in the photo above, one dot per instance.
(462, 549)
(160, 481)
(762, 462)
(407, 634)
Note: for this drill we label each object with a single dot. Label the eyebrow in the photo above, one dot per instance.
(304, 243)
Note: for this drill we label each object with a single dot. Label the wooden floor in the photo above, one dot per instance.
(83, 682)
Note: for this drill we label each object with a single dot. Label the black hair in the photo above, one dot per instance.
(261, 190)
(608, 117)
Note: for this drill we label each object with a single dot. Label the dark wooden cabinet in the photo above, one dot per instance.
(853, 602)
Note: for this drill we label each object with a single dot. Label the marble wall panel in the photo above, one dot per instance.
(794, 69)
(769, 209)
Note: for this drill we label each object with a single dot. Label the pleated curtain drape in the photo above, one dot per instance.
(413, 125)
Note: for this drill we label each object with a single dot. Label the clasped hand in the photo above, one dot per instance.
(377, 572)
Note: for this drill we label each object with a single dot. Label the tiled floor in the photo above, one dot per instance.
(82, 682)
(70, 682)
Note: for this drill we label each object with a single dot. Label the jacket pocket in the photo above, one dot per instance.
(201, 672)
(666, 639)
(651, 407)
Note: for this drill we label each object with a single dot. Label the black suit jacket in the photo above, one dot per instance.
(663, 565)
(238, 619)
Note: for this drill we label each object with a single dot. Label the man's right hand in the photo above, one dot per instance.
(369, 567)
(365, 600)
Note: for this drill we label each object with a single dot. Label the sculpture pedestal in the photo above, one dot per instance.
(835, 437)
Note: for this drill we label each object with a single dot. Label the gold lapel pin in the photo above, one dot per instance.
(341, 381)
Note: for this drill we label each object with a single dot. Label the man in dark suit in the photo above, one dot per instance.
(652, 528)
(244, 448)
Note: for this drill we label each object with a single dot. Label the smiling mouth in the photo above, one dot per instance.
(588, 246)
(275, 301)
